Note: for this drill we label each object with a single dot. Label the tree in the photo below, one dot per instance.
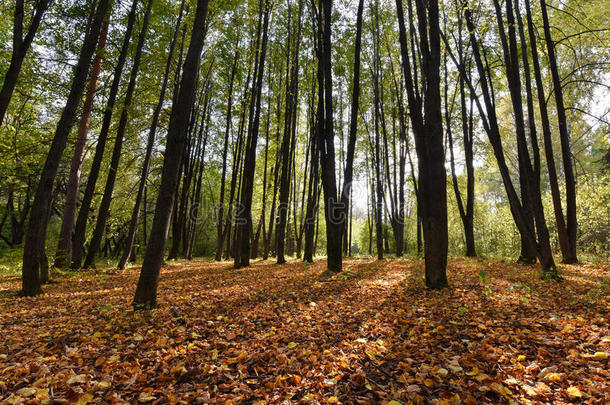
(104, 209)
(288, 140)
(466, 115)
(221, 205)
(80, 227)
(133, 224)
(41, 205)
(146, 291)
(564, 136)
(353, 125)
(530, 185)
(428, 132)
(334, 214)
(21, 45)
(490, 124)
(64, 244)
(244, 218)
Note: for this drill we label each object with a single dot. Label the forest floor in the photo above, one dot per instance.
(282, 334)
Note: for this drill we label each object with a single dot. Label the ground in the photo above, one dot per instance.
(282, 334)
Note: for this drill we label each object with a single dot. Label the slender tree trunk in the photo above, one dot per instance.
(80, 227)
(133, 224)
(40, 206)
(44, 260)
(190, 158)
(189, 238)
(528, 250)
(244, 220)
(378, 184)
(564, 137)
(268, 248)
(353, 126)
(490, 124)
(312, 198)
(526, 172)
(118, 146)
(466, 213)
(562, 232)
(146, 291)
(21, 45)
(289, 134)
(428, 131)
(221, 204)
(64, 244)
(333, 212)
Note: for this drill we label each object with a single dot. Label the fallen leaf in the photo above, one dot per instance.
(574, 392)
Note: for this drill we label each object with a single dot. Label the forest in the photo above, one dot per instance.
(304, 201)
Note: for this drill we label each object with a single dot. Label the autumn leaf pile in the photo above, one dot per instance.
(290, 334)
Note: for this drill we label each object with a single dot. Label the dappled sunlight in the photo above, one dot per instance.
(282, 332)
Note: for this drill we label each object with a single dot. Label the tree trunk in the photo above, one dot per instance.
(80, 227)
(40, 206)
(118, 146)
(466, 213)
(133, 224)
(221, 204)
(526, 173)
(44, 260)
(562, 232)
(378, 184)
(490, 124)
(312, 198)
(564, 137)
(21, 45)
(428, 131)
(244, 219)
(64, 244)
(146, 291)
(288, 140)
(333, 212)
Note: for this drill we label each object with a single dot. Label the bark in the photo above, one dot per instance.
(378, 183)
(40, 206)
(526, 172)
(244, 220)
(487, 112)
(21, 46)
(562, 232)
(288, 140)
(221, 204)
(146, 291)
(64, 244)
(428, 132)
(133, 224)
(80, 227)
(333, 213)
(564, 137)
(104, 209)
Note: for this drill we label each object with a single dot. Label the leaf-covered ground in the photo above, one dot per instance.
(283, 334)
